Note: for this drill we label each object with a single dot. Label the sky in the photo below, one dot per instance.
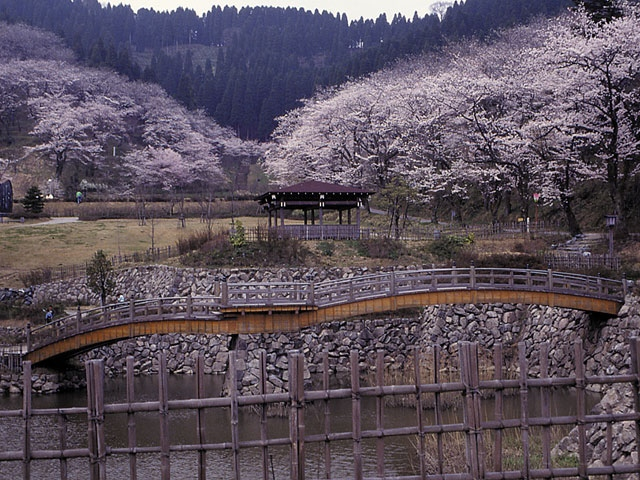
(369, 9)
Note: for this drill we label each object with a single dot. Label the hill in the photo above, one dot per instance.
(66, 127)
(246, 67)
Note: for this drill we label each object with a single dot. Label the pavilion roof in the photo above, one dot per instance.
(314, 186)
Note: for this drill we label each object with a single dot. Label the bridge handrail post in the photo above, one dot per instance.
(132, 309)
(311, 299)
(28, 333)
(78, 319)
(550, 279)
(624, 285)
(454, 275)
(472, 276)
(189, 305)
(224, 293)
(392, 283)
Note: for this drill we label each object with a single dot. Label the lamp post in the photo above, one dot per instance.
(536, 197)
(611, 224)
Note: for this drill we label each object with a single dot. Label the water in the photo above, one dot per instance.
(400, 452)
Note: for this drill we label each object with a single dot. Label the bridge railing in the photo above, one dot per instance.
(322, 294)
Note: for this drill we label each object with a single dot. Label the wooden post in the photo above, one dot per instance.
(581, 408)
(545, 406)
(189, 306)
(163, 397)
(92, 440)
(29, 340)
(62, 435)
(200, 423)
(380, 413)
(224, 293)
(356, 417)
(549, 279)
(472, 277)
(419, 419)
(233, 390)
(26, 416)
(634, 344)
(296, 417)
(98, 379)
(498, 407)
(327, 414)
(131, 421)
(438, 407)
(469, 373)
(312, 294)
(392, 283)
(524, 408)
(263, 416)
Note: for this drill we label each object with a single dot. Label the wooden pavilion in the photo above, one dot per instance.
(316, 197)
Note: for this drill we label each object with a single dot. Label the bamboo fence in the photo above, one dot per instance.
(482, 438)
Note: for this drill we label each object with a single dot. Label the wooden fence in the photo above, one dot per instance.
(473, 445)
(580, 261)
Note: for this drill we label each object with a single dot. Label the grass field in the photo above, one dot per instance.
(37, 244)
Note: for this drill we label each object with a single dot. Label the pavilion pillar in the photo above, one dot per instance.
(305, 216)
(340, 217)
(349, 216)
(281, 217)
(313, 217)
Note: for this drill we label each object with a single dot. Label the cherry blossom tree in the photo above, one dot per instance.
(600, 64)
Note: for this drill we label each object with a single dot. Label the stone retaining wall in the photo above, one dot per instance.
(605, 339)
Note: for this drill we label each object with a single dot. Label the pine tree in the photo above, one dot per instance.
(33, 201)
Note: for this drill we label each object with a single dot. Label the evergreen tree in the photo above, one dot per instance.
(100, 276)
(33, 201)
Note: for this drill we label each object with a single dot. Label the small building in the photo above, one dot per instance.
(315, 199)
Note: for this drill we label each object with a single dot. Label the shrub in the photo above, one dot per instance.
(448, 247)
(326, 248)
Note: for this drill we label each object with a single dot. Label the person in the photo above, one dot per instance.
(121, 298)
(78, 196)
(48, 316)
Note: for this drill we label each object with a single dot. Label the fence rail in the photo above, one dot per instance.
(481, 432)
(324, 294)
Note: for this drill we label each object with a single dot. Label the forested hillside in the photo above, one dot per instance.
(65, 127)
(246, 67)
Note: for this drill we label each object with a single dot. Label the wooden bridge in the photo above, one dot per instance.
(275, 307)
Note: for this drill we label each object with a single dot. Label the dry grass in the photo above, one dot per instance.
(34, 245)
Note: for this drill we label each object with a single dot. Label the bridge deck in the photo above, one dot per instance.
(273, 307)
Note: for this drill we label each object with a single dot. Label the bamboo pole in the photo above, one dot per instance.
(62, 436)
(263, 416)
(545, 406)
(581, 408)
(498, 361)
(635, 369)
(356, 417)
(98, 379)
(26, 416)
(200, 424)
(131, 420)
(233, 390)
(438, 407)
(419, 417)
(92, 435)
(524, 408)
(327, 414)
(163, 397)
(380, 412)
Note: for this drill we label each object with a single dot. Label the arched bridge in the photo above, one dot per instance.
(273, 307)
